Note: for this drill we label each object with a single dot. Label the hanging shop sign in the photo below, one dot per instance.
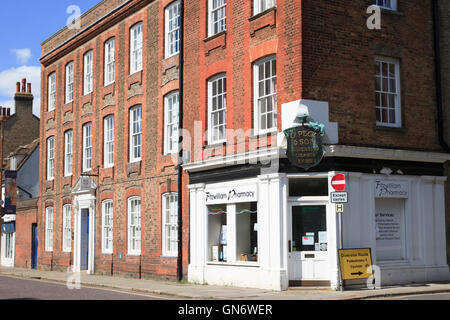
(304, 144)
(10, 192)
(355, 263)
(238, 194)
(391, 189)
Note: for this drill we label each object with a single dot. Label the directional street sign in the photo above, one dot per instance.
(355, 263)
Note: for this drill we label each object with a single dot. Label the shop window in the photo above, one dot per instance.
(309, 228)
(308, 187)
(247, 232)
(390, 229)
(217, 233)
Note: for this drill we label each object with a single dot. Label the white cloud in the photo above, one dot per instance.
(22, 55)
(8, 79)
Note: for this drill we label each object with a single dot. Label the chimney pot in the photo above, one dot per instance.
(24, 84)
(29, 88)
(18, 87)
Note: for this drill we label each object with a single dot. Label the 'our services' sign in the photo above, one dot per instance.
(238, 194)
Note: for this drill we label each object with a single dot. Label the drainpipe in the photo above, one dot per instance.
(180, 149)
(438, 80)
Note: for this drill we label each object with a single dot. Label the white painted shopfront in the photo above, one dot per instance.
(282, 229)
(296, 230)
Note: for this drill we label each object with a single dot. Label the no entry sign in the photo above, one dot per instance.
(338, 182)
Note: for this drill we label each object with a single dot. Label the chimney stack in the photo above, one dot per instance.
(23, 98)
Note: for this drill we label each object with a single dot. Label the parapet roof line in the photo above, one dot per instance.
(83, 30)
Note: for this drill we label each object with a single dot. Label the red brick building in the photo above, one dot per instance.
(373, 90)
(108, 186)
(251, 70)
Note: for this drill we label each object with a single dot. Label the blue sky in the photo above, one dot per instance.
(24, 25)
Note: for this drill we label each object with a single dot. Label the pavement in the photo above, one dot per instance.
(175, 290)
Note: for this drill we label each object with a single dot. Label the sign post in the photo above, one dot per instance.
(339, 198)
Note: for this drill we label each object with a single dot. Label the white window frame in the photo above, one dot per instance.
(51, 158)
(213, 99)
(107, 226)
(110, 58)
(135, 133)
(51, 91)
(169, 223)
(134, 225)
(217, 16)
(88, 72)
(87, 147)
(263, 5)
(136, 44)
(386, 4)
(257, 97)
(49, 229)
(397, 93)
(68, 153)
(67, 228)
(69, 82)
(172, 29)
(171, 122)
(108, 141)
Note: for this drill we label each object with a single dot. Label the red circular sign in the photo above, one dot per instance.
(338, 182)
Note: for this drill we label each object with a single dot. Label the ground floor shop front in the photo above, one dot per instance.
(278, 230)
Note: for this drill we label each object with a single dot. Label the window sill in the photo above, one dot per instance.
(392, 11)
(263, 134)
(263, 19)
(216, 41)
(236, 264)
(107, 253)
(166, 256)
(220, 144)
(380, 127)
(393, 263)
(133, 254)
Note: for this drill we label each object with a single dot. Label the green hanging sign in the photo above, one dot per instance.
(304, 144)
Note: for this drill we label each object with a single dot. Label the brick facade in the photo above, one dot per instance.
(324, 52)
(150, 178)
(27, 211)
(444, 19)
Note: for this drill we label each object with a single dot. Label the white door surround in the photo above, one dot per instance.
(84, 199)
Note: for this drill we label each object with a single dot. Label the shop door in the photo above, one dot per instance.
(308, 246)
(84, 248)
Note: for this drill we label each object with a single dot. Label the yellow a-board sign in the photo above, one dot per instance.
(355, 263)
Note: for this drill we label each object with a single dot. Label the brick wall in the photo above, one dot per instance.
(15, 135)
(444, 18)
(26, 217)
(150, 178)
(338, 67)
